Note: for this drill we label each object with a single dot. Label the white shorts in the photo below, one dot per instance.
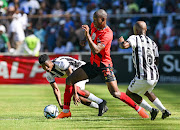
(82, 84)
(141, 86)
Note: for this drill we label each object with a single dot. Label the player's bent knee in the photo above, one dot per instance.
(116, 94)
(68, 81)
(128, 93)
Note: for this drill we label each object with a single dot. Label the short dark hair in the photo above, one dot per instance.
(43, 58)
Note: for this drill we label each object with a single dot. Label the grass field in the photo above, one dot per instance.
(21, 107)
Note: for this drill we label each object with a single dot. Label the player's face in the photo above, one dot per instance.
(47, 66)
(97, 21)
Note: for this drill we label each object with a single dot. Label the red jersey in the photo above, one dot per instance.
(104, 37)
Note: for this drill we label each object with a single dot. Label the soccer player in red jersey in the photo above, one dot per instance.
(100, 64)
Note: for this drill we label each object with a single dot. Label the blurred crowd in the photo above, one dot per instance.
(33, 26)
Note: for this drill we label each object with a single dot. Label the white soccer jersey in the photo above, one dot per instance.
(144, 52)
(61, 64)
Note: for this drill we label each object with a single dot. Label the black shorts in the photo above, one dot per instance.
(92, 71)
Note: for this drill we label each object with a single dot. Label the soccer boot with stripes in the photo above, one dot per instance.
(143, 113)
(102, 108)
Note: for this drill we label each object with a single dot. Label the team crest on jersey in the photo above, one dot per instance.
(98, 40)
(93, 36)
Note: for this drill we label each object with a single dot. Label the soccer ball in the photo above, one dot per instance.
(51, 111)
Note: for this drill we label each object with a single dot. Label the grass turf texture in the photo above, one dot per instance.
(21, 107)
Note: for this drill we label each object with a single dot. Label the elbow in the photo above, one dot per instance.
(96, 52)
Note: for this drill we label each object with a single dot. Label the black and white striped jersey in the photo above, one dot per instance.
(144, 52)
(61, 64)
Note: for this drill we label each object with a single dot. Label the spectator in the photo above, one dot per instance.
(175, 47)
(79, 33)
(3, 7)
(159, 6)
(30, 6)
(4, 40)
(163, 30)
(57, 11)
(16, 33)
(61, 40)
(69, 25)
(23, 19)
(51, 34)
(132, 7)
(15, 4)
(60, 48)
(40, 33)
(32, 45)
(74, 10)
(44, 7)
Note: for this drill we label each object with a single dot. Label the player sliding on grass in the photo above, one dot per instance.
(62, 67)
(100, 64)
(145, 57)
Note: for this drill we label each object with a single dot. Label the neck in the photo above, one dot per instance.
(101, 28)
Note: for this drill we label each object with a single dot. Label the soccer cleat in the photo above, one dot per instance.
(63, 115)
(143, 113)
(102, 108)
(165, 114)
(154, 113)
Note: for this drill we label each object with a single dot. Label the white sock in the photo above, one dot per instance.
(145, 105)
(159, 105)
(94, 105)
(92, 97)
(65, 110)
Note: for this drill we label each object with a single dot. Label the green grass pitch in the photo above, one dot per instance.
(21, 107)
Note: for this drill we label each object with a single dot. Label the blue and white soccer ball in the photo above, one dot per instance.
(51, 111)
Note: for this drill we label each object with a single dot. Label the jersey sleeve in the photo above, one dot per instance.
(63, 64)
(50, 78)
(156, 51)
(132, 41)
(4, 36)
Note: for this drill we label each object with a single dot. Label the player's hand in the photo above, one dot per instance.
(61, 106)
(121, 39)
(86, 28)
(123, 45)
(76, 99)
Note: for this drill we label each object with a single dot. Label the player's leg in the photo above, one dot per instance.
(89, 95)
(139, 100)
(137, 87)
(113, 89)
(88, 102)
(152, 97)
(76, 76)
(108, 75)
(81, 91)
(69, 90)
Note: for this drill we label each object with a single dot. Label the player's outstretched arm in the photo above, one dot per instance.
(57, 94)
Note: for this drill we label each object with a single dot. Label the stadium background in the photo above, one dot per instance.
(57, 23)
(22, 104)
